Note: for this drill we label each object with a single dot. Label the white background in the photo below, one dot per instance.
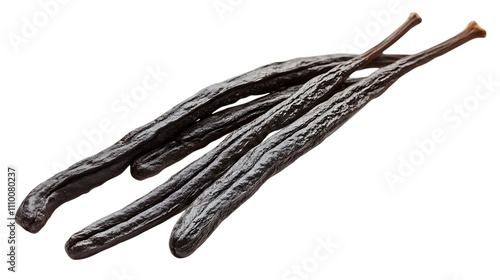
(442, 222)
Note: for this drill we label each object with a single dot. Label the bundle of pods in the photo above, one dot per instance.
(304, 101)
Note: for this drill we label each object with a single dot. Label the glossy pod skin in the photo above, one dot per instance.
(203, 133)
(207, 130)
(182, 188)
(245, 177)
(95, 170)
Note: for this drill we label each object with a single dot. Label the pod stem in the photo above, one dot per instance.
(413, 20)
(408, 63)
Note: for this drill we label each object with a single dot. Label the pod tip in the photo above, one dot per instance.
(473, 27)
(415, 17)
(31, 221)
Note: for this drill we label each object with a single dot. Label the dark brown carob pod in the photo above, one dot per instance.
(174, 195)
(245, 177)
(95, 170)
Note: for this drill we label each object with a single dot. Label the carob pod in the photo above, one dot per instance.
(245, 177)
(95, 170)
(174, 195)
(207, 130)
